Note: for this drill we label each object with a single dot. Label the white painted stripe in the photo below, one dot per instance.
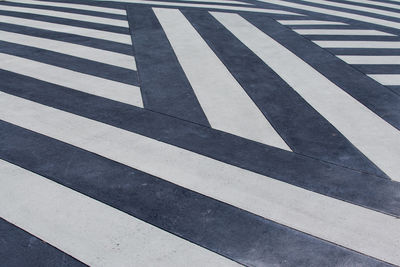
(310, 22)
(66, 15)
(386, 79)
(233, 8)
(356, 7)
(373, 136)
(117, 91)
(390, 60)
(109, 36)
(358, 44)
(72, 6)
(343, 14)
(340, 222)
(218, 2)
(89, 230)
(99, 55)
(375, 3)
(341, 32)
(397, 1)
(224, 101)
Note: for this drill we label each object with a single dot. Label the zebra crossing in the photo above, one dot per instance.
(352, 51)
(207, 132)
(382, 67)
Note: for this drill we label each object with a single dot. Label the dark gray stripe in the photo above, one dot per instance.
(229, 231)
(394, 88)
(302, 128)
(19, 248)
(73, 63)
(372, 6)
(351, 38)
(66, 9)
(379, 69)
(164, 85)
(365, 51)
(373, 95)
(331, 27)
(348, 10)
(110, 4)
(66, 21)
(71, 38)
(321, 16)
(385, 1)
(328, 179)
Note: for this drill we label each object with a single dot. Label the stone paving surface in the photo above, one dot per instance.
(200, 133)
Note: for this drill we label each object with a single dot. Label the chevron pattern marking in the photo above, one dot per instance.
(204, 133)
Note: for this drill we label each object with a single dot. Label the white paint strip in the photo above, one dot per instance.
(233, 8)
(390, 60)
(358, 44)
(89, 230)
(224, 101)
(99, 55)
(386, 79)
(117, 91)
(342, 14)
(66, 15)
(218, 2)
(356, 7)
(375, 3)
(341, 32)
(72, 6)
(397, 1)
(109, 36)
(367, 231)
(373, 136)
(310, 22)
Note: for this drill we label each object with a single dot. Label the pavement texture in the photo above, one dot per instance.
(200, 133)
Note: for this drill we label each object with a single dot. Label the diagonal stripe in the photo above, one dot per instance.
(76, 64)
(89, 230)
(225, 103)
(397, 1)
(375, 3)
(19, 248)
(363, 51)
(66, 15)
(233, 8)
(358, 44)
(244, 239)
(105, 35)
(379, 68)
(353, 186)
(218, 2)
(321, 216)
(99, 55)
(309, 22)
(394, 88)
(326, 11)
(164, 85)
(341, 32)
(72, 5)
(386, 79)
(374, 137)
(86, 83)
(301, 126)
(356, 7)
(389, 60)
(102, 44)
